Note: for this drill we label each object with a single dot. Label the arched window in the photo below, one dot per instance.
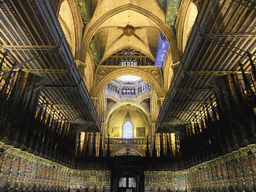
(127, 129)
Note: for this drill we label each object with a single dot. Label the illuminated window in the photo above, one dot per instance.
(128, 129)
(122, 182)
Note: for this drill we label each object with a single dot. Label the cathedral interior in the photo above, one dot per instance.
(127, 95)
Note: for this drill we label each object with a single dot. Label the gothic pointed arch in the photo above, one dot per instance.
(120, 105)
(150, 74)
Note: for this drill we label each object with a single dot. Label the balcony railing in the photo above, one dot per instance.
(126, 141)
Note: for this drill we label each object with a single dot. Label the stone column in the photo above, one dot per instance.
(95, 102)
(154, 107)
(161, 99)
(81, 68)
(104, 135)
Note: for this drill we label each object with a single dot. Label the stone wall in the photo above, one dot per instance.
(20, 170)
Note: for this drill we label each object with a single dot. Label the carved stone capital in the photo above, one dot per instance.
(196, 2)
(79, 62)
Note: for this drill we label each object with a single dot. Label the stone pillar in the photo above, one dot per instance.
(154, 107)
(173, 141)
(161, 99)
(97, 144)
(152, 133)
(158, 144)
(95, 102)
(154, 111)
(81, 67)
(100, 105)
(104, 135)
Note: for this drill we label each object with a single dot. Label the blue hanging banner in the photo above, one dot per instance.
(162, 48)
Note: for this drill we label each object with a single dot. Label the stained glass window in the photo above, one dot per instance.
(127, 129)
